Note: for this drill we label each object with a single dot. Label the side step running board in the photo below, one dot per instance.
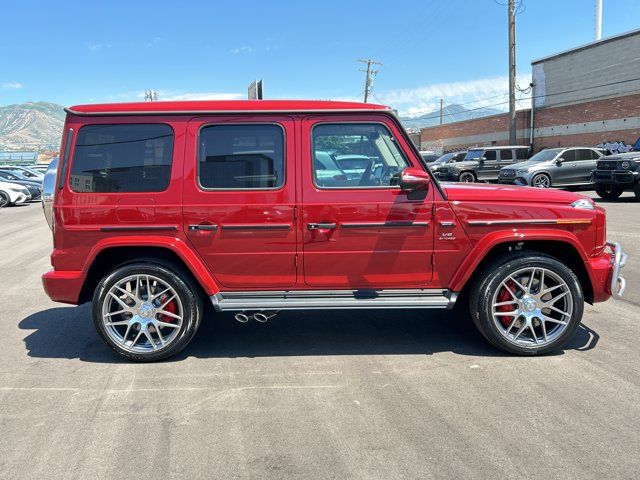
(333, 299)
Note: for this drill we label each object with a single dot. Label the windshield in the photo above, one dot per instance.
(444, 158)
(545, 155)
(474, 154)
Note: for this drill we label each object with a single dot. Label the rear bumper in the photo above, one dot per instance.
(63, 286)
(604, 271)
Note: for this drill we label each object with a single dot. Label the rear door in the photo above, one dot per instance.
(359, 231)
(239, 199)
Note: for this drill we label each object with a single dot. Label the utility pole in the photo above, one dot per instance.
(440, 111)
(598, 19)
(150, 96)
(368, 81)
(512, 72)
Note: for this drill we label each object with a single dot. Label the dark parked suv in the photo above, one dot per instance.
(483, 164)
(614, 174)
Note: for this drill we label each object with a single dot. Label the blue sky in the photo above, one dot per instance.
(78, 52)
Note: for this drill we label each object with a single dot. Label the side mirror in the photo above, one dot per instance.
(559, 161)
(414, 180)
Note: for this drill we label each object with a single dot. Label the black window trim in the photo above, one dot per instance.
(242, 124)
(65, 161)
(173, 148)
(353, 122)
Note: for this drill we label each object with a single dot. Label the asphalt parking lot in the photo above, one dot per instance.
(370, 394)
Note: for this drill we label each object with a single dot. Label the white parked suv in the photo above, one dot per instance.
(13, 194)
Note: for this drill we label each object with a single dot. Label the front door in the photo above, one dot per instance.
(239, 199)
(359, 231)
(565, 170)
(488, 167)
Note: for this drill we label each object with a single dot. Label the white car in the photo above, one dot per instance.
(13, 194)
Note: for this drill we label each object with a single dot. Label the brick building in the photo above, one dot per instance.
(586, 96)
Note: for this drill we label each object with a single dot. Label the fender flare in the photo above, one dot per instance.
(479, 252)
(176, 245)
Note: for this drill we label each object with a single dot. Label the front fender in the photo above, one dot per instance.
(493, 239)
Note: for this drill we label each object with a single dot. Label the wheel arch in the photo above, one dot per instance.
(174, 254)
(564, 249)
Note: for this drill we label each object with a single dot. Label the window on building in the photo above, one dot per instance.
(352, 155)
(122, 158)
(241, 157)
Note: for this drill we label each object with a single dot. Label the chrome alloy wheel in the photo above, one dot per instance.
(142, 314)
(541, 181)
(532, 307)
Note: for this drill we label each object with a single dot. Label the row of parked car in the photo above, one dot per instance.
(558, 167)
(20, 184)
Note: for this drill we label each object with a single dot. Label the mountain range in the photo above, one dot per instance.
(450, 113)
(38, 125)
(31, 125)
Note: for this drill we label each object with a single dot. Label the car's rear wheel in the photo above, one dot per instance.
(608, 192)
(636, 190)
(146, 312)
(541, 180)
(5, 201)
(467, 177)
(527, 305)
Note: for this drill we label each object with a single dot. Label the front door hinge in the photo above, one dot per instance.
(295, 213)
(295, 260)
(433, 210)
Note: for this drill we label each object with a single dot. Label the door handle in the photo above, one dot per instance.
(203, 227)
(321, 226)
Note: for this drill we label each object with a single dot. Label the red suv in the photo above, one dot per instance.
(262, 206)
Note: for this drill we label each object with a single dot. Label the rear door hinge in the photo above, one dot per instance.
(295, 213)
(295, 260)
(433, 210)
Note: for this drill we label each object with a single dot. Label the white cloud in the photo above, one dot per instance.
(243, 49)
(98, 46)
(484, 92)
(168, 95)
(12, 85)
(201, 96)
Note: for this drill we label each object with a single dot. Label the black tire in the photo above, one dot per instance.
(188, 293)
(490, 279)
(636, 190)
(467, 177)
(608, 191)
(541, 180)
(5, 201)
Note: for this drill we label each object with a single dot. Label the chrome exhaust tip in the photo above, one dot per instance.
(242, 317)
(263, 317)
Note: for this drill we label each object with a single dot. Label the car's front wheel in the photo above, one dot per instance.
(5, 201)
(608, 192)
(146, 312)
(467, 177)
(527, 305)
(541, 180)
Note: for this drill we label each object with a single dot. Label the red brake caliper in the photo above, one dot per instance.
(505, 296)
(170, 307)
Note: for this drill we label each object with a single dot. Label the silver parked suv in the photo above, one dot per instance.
(557, 167)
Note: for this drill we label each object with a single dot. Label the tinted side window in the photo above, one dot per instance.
(594, 155)
(583, 154)
(241, 157)
(355, 155)
(490, 155)
(122, 158)
(522, 153)
(506, 155)
(569, 156)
